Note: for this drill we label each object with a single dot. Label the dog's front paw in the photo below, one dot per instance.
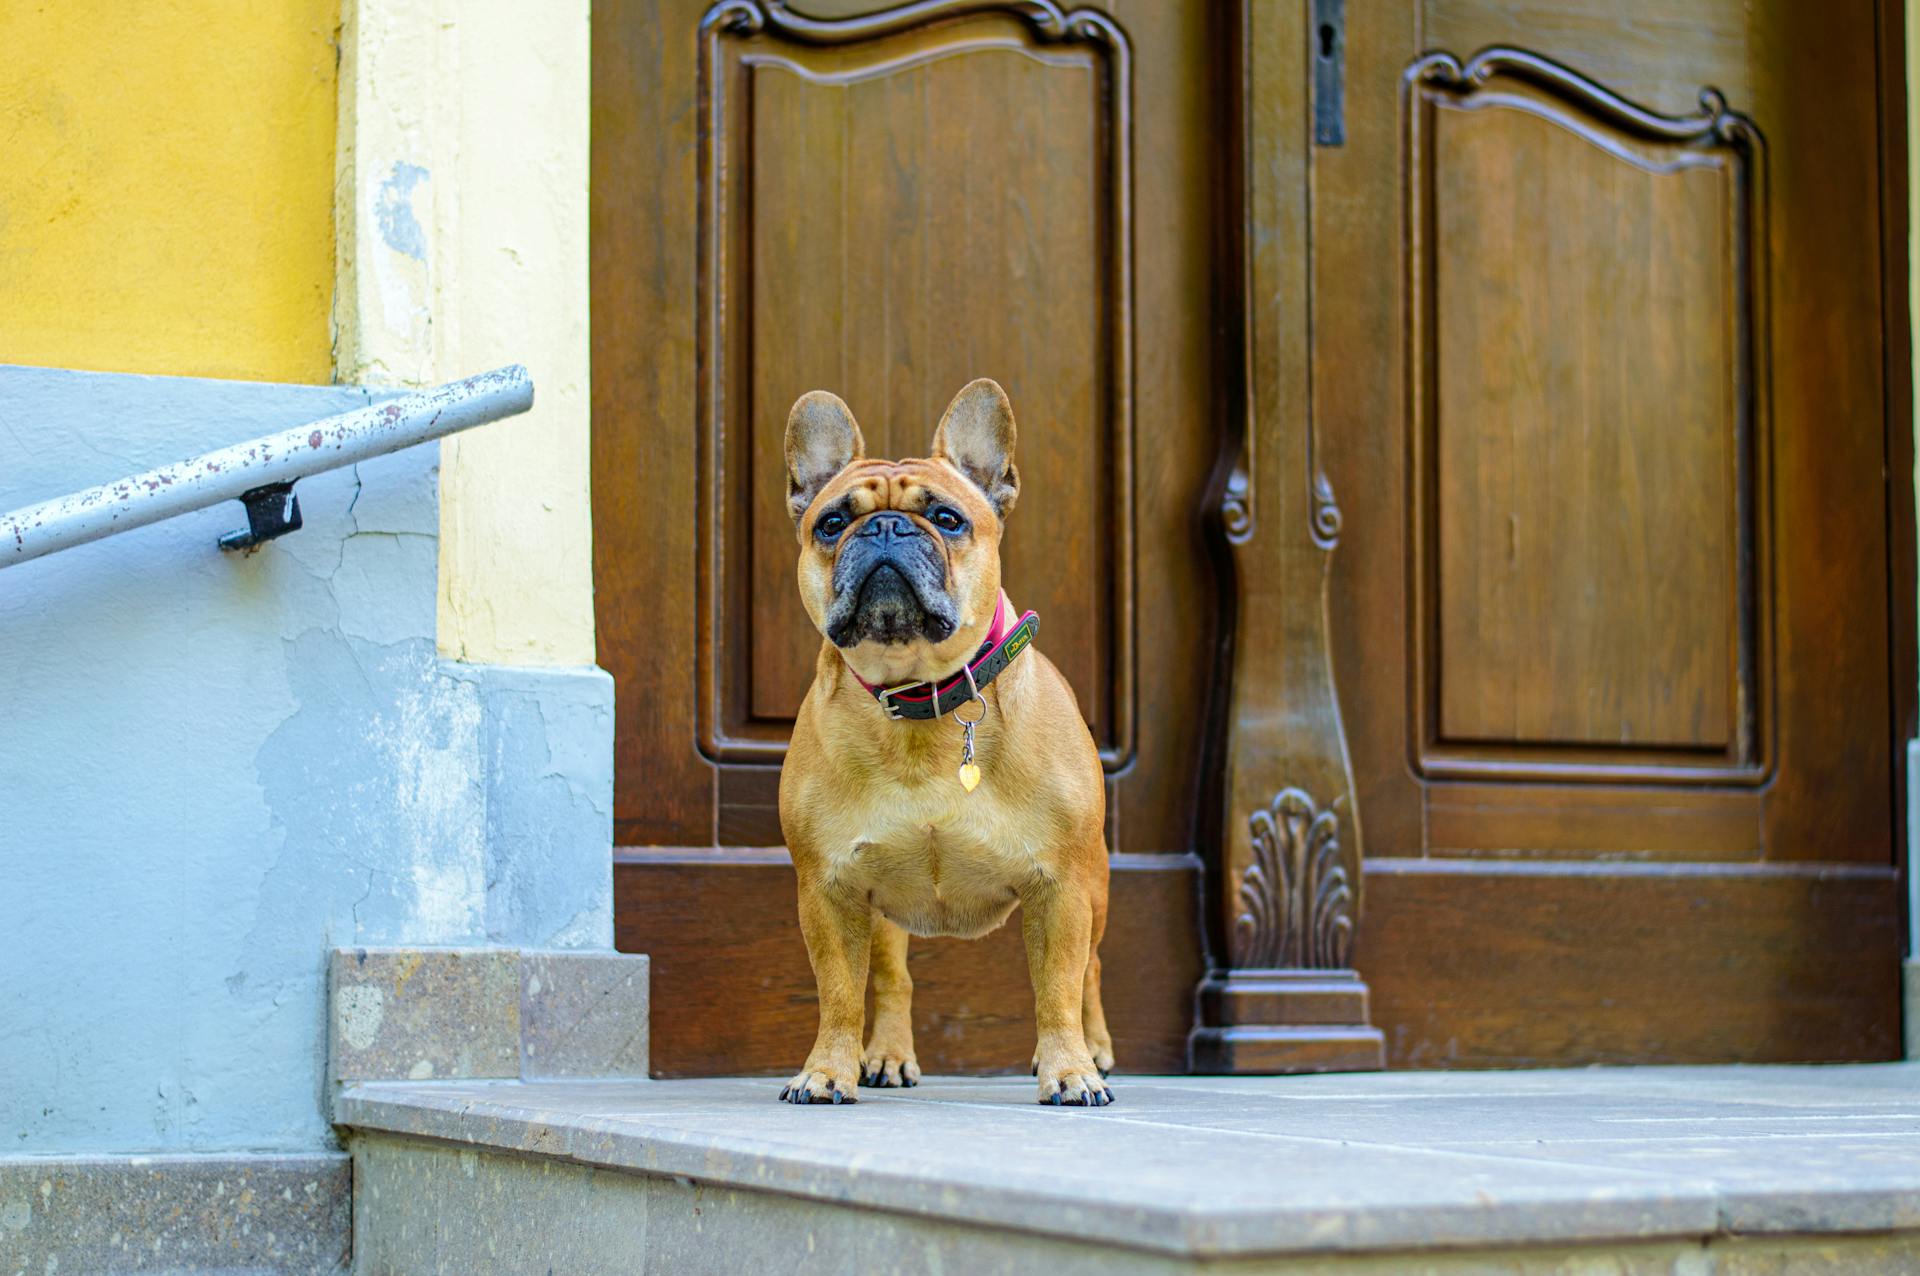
(1079, 1085)
(812, 1086)
(886, 1068)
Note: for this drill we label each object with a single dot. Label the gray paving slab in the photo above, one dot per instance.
(1241, 1166)
(1184, 1190)
(1784, 1150)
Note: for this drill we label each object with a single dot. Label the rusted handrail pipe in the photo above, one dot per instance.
(274, 461)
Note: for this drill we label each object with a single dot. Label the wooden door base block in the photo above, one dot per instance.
(733, 992)
(1280, 1021)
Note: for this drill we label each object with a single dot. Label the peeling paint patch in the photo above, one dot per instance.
(429, 750)
(393, 210)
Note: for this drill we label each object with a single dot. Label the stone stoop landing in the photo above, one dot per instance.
(1680, 1171)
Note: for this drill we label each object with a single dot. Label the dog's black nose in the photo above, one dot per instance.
(888, 526)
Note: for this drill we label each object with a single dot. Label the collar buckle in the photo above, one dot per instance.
(885, 696)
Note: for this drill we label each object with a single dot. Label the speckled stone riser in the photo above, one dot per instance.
(164, 1214)
(485, 1013)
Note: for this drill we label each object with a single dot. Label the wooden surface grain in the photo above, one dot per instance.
(1481, 965)
(889, 218)
(1623, 717)
(1588, 557)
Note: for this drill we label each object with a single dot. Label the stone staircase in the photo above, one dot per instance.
(1633, 1170)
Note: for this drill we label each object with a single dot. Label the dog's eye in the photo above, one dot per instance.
(831, 524)
(947, 520)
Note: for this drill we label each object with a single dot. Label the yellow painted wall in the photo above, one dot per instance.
(166, 196)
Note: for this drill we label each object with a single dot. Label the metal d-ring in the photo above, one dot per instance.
(974, 689)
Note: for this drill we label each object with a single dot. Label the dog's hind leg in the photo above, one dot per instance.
(889, 1059)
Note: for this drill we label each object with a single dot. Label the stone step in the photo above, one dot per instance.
(1694, 1170)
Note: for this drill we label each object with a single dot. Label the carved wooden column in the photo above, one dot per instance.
(1280, 996)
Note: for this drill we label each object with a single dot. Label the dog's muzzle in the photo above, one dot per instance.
(890, 585)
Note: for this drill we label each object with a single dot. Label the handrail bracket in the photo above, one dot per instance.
(272, 511)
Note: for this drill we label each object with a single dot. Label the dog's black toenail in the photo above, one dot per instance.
(1056, 1098)
(1105, 1073)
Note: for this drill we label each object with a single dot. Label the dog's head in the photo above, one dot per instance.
(900, 560)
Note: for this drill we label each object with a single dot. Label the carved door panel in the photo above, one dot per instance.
(1602, 328)
(888, 202)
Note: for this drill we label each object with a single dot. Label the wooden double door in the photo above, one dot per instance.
(1469, 494)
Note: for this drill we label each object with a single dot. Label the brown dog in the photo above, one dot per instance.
(892, 827)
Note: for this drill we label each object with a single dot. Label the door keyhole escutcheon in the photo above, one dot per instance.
(1329, 72)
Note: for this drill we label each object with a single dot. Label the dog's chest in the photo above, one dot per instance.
(936, 862)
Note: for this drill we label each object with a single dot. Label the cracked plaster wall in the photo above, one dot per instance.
(214, 768)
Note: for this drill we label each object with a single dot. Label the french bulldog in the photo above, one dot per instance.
(940, 773)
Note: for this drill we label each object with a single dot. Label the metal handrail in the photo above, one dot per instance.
(261, 473)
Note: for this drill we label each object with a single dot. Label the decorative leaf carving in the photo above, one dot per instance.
(1296, 896)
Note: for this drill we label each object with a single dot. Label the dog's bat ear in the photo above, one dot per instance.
(977, 435)
(822, 440)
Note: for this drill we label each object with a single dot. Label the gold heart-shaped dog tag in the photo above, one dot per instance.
(969, 776)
